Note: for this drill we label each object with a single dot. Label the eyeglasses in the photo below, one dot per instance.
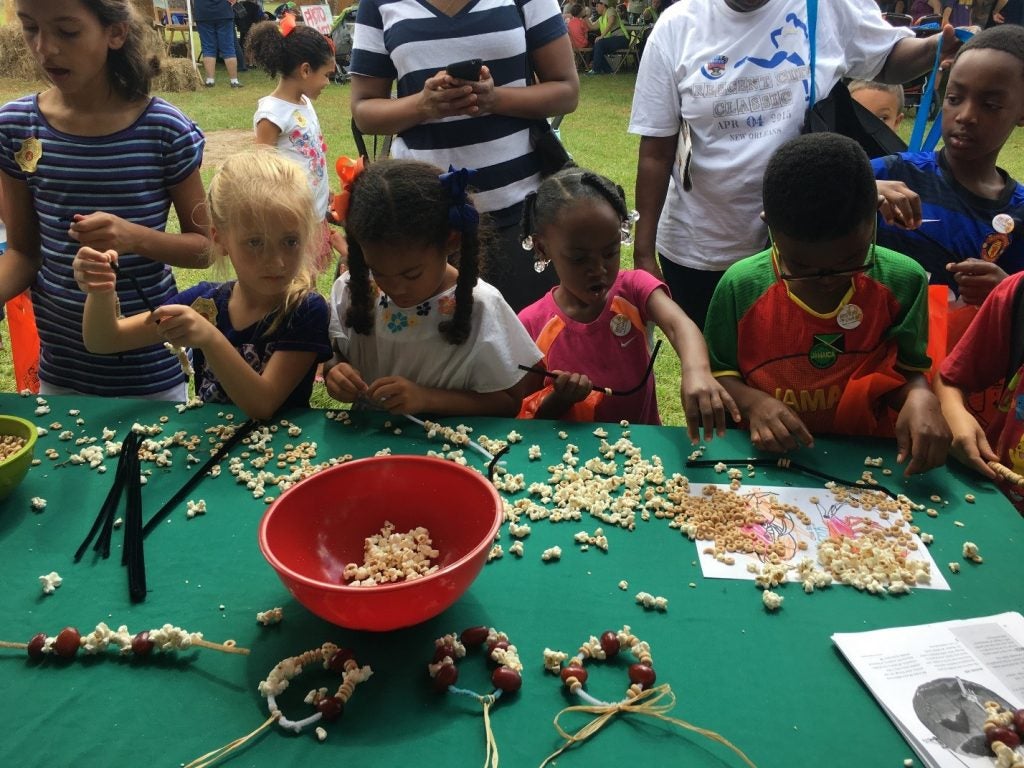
(829, 272)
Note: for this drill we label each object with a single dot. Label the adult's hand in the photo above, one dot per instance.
(483, 89)
(442, 97)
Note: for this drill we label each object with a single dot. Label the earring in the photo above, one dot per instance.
(527, 243)
(540, 265)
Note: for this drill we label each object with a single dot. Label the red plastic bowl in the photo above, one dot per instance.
(319, 525)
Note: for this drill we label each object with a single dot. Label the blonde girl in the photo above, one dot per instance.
(256, 340)
(95, 161)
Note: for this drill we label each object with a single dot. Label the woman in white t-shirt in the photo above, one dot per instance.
(304, 61)
(730, 80)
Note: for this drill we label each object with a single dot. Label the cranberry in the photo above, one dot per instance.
(331, 708)
(443, 650)
(35, 646)
(574, 671)
(474, 636)
(1018, 721)
(507, 679)
(503, 644)
(446, 675)
(67, 642)
(337, 661)
(610, 644)
(141, 644)
(1008, 736)
(642, 674)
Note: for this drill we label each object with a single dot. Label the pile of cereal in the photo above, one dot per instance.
(389, 557)
(10, 445)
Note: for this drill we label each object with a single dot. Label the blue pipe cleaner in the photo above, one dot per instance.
(461, 213)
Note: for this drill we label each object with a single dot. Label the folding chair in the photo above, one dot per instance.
(629, 53)
(177, 22)
(582, 57)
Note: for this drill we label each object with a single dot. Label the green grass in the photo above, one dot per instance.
(595, 135)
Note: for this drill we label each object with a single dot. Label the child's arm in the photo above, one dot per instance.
(106, 232)
(400, 395)
(567, 390)
(970, 446)
(267, 133)
(774, 426)
(258, 394)
(20, 263)
(921, 432)
(705, 400)
(103, 332)
(976, 278)
(344, 383)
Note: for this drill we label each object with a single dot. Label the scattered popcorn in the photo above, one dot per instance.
(50, 582)
(870, 462)
(38, 503)
(563, 435)
(194, 508)
(927, 538)
(772, 600)
(600, 432)
(551, 553)
(971, 552)
(649, 601)
(390, 557)
(958, 524)
(533, 452)
(954, 567)
(623, 585)
(514, 437)
(321, 734)
(42, 410)
(273, 616)
(720, 467)
(553, 660)
(496, 553)
(119, 522)
(516, 549)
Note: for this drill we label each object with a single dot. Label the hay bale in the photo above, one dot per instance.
(15, 59)
(177, 75)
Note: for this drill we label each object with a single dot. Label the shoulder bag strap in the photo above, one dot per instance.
(812, 25)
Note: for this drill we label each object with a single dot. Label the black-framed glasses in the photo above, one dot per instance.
(829, 272)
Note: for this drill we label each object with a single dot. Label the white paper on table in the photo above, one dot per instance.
(826, 515)
(932, 680)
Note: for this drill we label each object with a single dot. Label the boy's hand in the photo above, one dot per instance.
(93, 272)
(705, 403)
(899, 205)
(976, 278)
(570, 388)
(344, 383)
(970, 446)
(398, 395)
(921, 433)
(775, 427)
(182, 326)
(103, 231)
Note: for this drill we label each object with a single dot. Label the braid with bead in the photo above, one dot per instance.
(456, 330)
(563, 188)
(359, 316)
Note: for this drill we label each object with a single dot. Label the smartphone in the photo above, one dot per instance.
(465, 70)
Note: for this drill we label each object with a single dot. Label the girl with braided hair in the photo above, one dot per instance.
(414, 329)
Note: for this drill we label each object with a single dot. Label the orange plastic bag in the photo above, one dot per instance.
(21, 321)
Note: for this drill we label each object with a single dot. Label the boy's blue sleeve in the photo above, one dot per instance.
(881, 166)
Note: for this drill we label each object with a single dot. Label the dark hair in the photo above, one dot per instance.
(132, 67)
(1008, 38)
(282, 55)
(564, 188)
(576, 9)
(819, 187)
(402, 203)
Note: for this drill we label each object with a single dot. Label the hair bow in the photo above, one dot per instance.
(348, 171)
(287, 24)
(461, 213)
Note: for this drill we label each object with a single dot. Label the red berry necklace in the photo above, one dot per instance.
(507, 677)
(1003, 731)
(642, 697)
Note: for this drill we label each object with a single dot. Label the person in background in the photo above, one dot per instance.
(1008, 12)
(883, 101)
(413, 327)
(130, 157)
(256, 339)
(216, 22)
(611, 37)
(578, 28)
(920, 8)
(856, 315)
(957, 12)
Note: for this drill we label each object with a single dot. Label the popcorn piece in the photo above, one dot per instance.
(514, 437)
(954, 567)
(551, 553)
(772, 600)
(321, 734)
(533, 453)
(927, 538)
(970, 551)
(553, 660)
(50, 582)
(273, 616)
(194, 508)
(516, 549)
(623, 585)
(496, 553)
(650, 602)
(38, 503)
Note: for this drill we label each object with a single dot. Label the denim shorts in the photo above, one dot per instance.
(217, 38)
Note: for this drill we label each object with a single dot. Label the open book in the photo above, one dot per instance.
(933, 680)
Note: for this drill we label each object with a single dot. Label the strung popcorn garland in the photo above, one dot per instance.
(328, 707)
(165, 639)
(507, 678)
(642, 697)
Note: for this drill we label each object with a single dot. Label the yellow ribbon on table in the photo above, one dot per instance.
(654, 702)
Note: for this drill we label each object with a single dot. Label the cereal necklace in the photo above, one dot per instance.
(507, 678)
(642, 697)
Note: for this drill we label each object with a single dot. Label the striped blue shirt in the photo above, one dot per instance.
(409, 40)
(128, 174)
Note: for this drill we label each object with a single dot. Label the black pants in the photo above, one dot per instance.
(510, 269)
(691, 288)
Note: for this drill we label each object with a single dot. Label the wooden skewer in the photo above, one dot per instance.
(1006, 473)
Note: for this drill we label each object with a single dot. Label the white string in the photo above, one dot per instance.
(295, 726)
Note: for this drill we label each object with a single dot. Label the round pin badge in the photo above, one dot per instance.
(621, 325)
(850, 317)
(1003, 223)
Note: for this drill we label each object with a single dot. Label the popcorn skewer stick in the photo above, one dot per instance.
(68, 641)
(608, 390)
(472, 443)
(785, 463)
(1006, 473)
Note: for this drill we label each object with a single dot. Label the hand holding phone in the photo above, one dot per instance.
(465, 70)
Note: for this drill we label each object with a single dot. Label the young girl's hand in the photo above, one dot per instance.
(775, 427)
(921, 432)
(103, 231)
(705, 402)
(93, 272)
(399, 395)
(183, 327)
(970, 446)
(976, 278)
(571, 387)
(344, 383)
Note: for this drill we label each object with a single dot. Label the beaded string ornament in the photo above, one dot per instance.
(642, 697)
(328, 707)
(65, 644)
(507, 678)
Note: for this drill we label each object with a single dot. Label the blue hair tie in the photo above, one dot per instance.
(461, 213)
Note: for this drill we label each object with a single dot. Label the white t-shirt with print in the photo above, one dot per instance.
(405, 341)
(741, 81)
(301, 141)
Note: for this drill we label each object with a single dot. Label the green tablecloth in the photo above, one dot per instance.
(772, 683)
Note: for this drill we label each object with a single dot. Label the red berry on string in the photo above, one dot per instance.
(67, 642)
(503, 644)
(1006, 735)
(331, 708)
(1018, 721)
(443, 650)
(574, 671)
(474, 636)
(642, 675)
(507, 679)
(337, 661)
(610, 644)
(446, 675)
(141, 644)
(35, 646)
